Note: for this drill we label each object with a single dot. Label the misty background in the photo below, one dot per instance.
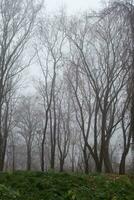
(66, 86)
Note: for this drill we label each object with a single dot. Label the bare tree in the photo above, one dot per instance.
(51, 39)
(85, 93)
(125, 11)
(16, 22)
(63, 127)
(106, 64)
(27, 123)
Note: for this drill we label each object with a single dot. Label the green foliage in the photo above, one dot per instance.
(7, 193)
(64, 186)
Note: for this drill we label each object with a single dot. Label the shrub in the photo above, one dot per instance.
(7, 193)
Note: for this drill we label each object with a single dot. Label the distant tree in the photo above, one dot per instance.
(64, 126)
(17, 20)
(27, 124)
(50, 60)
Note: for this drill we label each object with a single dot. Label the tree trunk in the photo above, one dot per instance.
(2, 154)
(1, 162)
(73, 165)
(13, 158)
(107, 161)
(107, 164)
(86, 163)
(61, 165)
(28, 158)
(42, 156)
(52, 164)
(132, 86)
(122, 164)
(98, 167)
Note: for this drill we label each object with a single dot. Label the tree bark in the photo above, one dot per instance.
(28, 158)
(122, 164)
(86, 163)
(61, 165)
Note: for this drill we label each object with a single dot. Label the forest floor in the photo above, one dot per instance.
(65, 186)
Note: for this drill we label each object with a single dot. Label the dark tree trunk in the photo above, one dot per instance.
(13, 158)
(28, 158)
(53, 133)
(107, 161)
(2, 152)
(98, 167)
(73, 166)
(1, 162)
(61, 165)
(42, 155)
(52, 163)
(86, 168)
(122, 164)
(107, 164)
(86, 163)
(43, 143)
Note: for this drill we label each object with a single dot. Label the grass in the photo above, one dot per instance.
(64, 186)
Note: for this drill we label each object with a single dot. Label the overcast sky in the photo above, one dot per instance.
(72, 6)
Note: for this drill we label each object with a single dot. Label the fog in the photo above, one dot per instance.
(72, 6)
(66, 86)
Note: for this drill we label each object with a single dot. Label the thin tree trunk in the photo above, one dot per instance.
(28, 158)
(13, 158)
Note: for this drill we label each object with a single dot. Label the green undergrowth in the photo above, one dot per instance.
(64, 186)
